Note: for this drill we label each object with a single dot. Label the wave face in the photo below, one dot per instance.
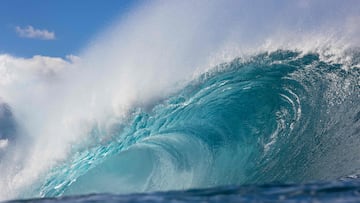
(282, 116)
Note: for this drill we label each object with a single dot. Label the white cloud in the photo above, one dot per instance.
(15, 70)
(31, 32)
(3, 143)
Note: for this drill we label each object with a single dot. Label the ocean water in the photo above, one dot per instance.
(337, 191)
(149, 117)
(278, 117)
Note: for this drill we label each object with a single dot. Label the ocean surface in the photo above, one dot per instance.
(337, 191)
(283, 124)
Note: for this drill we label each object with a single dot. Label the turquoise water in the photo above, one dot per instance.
(336, 191)
(277, 117)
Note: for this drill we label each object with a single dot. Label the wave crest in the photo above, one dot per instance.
(281, 116)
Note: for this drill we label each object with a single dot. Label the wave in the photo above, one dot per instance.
(282, 116)
(162, 100)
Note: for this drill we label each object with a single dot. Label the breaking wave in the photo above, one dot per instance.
(281, 116)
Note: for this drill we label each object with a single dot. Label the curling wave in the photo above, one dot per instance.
(282, 116)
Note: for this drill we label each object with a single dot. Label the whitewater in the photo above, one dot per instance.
(215, 101)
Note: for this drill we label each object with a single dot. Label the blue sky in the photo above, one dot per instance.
(58, 28)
